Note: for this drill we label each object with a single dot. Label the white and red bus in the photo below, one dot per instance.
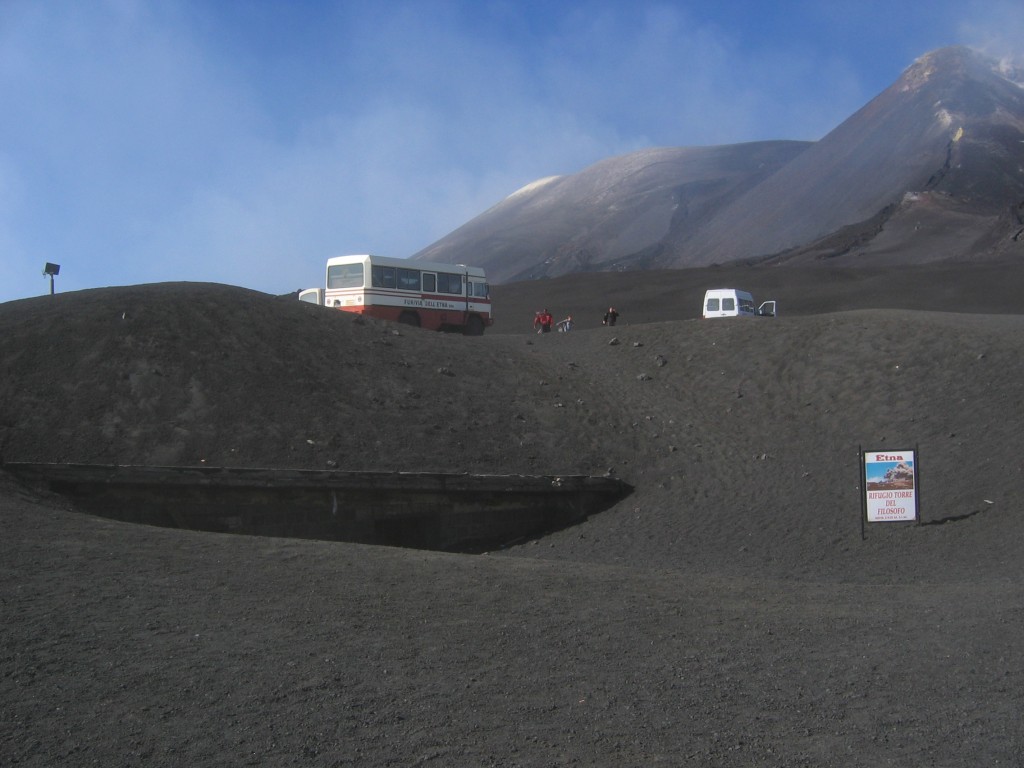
(440, 297)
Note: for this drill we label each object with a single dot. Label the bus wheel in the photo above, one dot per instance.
(474, 327)
(410, 318)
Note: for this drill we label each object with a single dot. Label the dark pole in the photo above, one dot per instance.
(917, 482)
(863, 493)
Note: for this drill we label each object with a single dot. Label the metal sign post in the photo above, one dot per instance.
(52, 270)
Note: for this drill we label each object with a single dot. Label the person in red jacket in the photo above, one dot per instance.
(542, 322)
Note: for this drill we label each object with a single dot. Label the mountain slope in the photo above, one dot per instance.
(931, 169)
(947, 138)
(623, 209)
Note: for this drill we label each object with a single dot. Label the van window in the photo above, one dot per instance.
(712, 305)
(728, 305)
(746, 305)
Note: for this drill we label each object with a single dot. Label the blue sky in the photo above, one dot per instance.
(247, 142)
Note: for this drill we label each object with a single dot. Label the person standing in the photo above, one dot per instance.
(610, 316)
(545, 319)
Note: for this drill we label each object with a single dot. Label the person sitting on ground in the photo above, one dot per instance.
(564, 326)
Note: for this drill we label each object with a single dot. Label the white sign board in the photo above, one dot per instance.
(890, 486)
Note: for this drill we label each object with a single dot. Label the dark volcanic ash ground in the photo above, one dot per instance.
(728, 612)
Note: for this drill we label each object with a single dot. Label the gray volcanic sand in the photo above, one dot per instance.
(728, 612)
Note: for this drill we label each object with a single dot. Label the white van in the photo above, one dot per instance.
(730, 302)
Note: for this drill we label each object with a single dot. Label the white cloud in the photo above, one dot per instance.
(996, 28)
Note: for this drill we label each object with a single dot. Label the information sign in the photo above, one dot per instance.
(890, 486)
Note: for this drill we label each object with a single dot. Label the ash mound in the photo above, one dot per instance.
(736, 436)
(729, 611)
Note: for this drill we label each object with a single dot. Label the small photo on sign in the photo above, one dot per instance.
(890, 476)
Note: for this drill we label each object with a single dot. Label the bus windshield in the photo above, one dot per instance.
(345, 276)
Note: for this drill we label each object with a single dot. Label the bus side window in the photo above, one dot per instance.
(409, 279)
(429, 282)
(448, 283)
